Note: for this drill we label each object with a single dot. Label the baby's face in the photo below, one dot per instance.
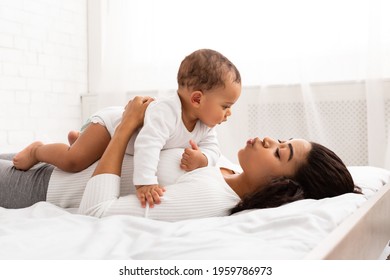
(217, 104)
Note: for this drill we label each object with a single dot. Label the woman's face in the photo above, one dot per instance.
(263, 160)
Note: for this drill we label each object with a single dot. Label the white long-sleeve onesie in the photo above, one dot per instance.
(163, 129)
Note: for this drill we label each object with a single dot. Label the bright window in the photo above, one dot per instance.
(271, 42)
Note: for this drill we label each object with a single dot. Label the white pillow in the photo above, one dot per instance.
(369, 178)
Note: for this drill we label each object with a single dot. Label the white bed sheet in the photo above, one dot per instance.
(45, 231)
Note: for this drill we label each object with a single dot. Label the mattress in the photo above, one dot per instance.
(289, 232)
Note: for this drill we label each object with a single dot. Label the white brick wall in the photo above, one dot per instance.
(43, 70)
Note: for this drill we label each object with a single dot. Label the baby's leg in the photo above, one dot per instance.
(87, 148)
(26, 159)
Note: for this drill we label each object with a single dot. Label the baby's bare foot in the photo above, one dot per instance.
(26, 159)
(72, 136)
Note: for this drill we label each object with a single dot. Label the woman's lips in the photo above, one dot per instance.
(253, 141)
(249, 142)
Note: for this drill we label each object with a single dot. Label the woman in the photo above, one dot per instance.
(273, 173)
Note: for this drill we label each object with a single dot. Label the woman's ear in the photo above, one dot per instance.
(196, 98)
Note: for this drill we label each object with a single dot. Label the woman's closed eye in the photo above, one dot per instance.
(290, 147)
(277, 154)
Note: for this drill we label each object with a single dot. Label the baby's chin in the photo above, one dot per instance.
(212, 125)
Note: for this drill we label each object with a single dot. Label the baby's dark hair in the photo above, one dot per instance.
(322, 175)
(206, 69)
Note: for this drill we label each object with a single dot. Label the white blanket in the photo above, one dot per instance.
(45, 231)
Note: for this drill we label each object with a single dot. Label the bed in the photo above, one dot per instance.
(309, 229)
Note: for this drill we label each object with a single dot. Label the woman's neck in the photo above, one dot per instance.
(240, 184)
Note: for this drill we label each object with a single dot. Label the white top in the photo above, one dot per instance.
(197, 194)
(163, 129)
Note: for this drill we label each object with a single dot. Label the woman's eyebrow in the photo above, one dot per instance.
(291, 151)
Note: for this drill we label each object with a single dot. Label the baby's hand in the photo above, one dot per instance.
(150, 194)
(193, 158)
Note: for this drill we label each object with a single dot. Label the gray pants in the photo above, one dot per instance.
(19, 189)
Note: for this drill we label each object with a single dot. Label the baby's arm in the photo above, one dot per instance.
(208, 146)
(193, 158)
(158, 123)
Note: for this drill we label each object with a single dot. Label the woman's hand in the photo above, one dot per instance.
(135, 110)
(132, 118)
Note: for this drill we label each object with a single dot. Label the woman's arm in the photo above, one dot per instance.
(103, 188)
(132, 119)
(112, 158)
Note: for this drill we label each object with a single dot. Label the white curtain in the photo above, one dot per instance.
(301, 55)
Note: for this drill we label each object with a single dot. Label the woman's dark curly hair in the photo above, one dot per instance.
(322, 175)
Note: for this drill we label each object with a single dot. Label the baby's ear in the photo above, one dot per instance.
(196, 98)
